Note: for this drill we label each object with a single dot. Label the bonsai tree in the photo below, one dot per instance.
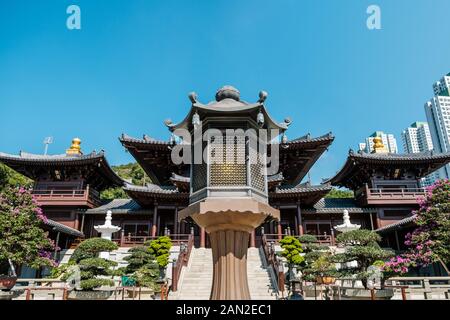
(91, 266)
(142, 267)
(323, 267)
(160, 249)
(361, 247)
(22, 241)
(292, 249)
(312, 251)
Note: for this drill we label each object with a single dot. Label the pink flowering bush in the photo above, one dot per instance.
(430, 241)
(23, 241)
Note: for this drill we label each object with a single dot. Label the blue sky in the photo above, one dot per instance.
(133, 63)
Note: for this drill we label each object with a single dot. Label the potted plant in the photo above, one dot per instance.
(324, 269)
(160, 249)
(23, 241)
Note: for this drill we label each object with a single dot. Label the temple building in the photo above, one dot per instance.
(385, 185)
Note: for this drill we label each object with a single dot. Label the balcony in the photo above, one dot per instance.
(391, 196)
(54, 197)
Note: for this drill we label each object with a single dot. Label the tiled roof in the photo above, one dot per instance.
(145, 140)
(59, 227)
(152, 188)
(337, 205)
(118, 206)
(398, 224)
(303, 188)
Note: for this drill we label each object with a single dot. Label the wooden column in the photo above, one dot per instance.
(229, 249)
(252, 239)
(202, 237)
(155, 220)
(279, 231)
(175, 222)
(299, 219)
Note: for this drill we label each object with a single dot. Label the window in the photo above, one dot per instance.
(136, 229)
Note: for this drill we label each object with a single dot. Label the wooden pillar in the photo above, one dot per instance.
(82, 222)
(299, 219)
(397, 242)
(175, 222)
(252, 239)
(155, 220)
(279, 231)
(202, 237)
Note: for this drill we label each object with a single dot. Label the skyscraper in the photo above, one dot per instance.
(416, 139)
(388, 139)
(438, 115)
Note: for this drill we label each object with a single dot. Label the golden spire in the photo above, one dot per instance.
(75, 148)
(378, 146)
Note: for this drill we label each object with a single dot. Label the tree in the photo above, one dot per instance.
(23, 240)
(142, 267)
(86, 256)
(312, 252)
(361, 247)
(430, 241)
(338, 193)
(160, 248)
(291, 250)
(11, 178)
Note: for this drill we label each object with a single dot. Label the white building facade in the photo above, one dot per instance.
(438, 116)
(388, 139)
(416, 139)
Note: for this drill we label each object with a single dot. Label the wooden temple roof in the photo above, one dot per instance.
(59, 227)
(299, 155)
(404, 223)
(359, 167)
(146, 196)
(119, 206)
(306, 193)
(93, 167)
(337, 206)
(154, 157)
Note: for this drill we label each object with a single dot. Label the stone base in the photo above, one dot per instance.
(229, 248)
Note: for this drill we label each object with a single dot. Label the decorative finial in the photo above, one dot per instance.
(228, 92)
(193, 97)
(288, 121)
(262, 96)
(168, 123)
(75, 148)
(195, 120)
(260, 119)
(378, 146)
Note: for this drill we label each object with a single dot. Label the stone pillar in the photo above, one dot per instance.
(155, 220)
(202, 237)
(229, 249)
(229, 223)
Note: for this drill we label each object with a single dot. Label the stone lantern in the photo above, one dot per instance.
(228, 190)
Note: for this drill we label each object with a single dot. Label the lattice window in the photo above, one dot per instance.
(229, 168)
(256, 170)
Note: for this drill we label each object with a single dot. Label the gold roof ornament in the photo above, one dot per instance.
(75, 148)
(378, 146)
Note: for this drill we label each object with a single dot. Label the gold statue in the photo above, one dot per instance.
(378, 146)
(75, 148)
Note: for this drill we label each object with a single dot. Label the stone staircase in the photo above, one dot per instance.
(196, 278)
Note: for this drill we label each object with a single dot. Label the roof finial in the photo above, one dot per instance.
(75, 148)
(378, 146)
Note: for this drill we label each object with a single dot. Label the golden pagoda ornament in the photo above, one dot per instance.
(75, 148)
(378, 146)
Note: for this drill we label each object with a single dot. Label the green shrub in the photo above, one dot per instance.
(160, 248)
(291, 250)
(90, 248)
(90, 284)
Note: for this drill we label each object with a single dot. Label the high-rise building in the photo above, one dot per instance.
(416, 139)
(388, 139)
(438, 115)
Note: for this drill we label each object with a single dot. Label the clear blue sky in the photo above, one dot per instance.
(133, 63)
